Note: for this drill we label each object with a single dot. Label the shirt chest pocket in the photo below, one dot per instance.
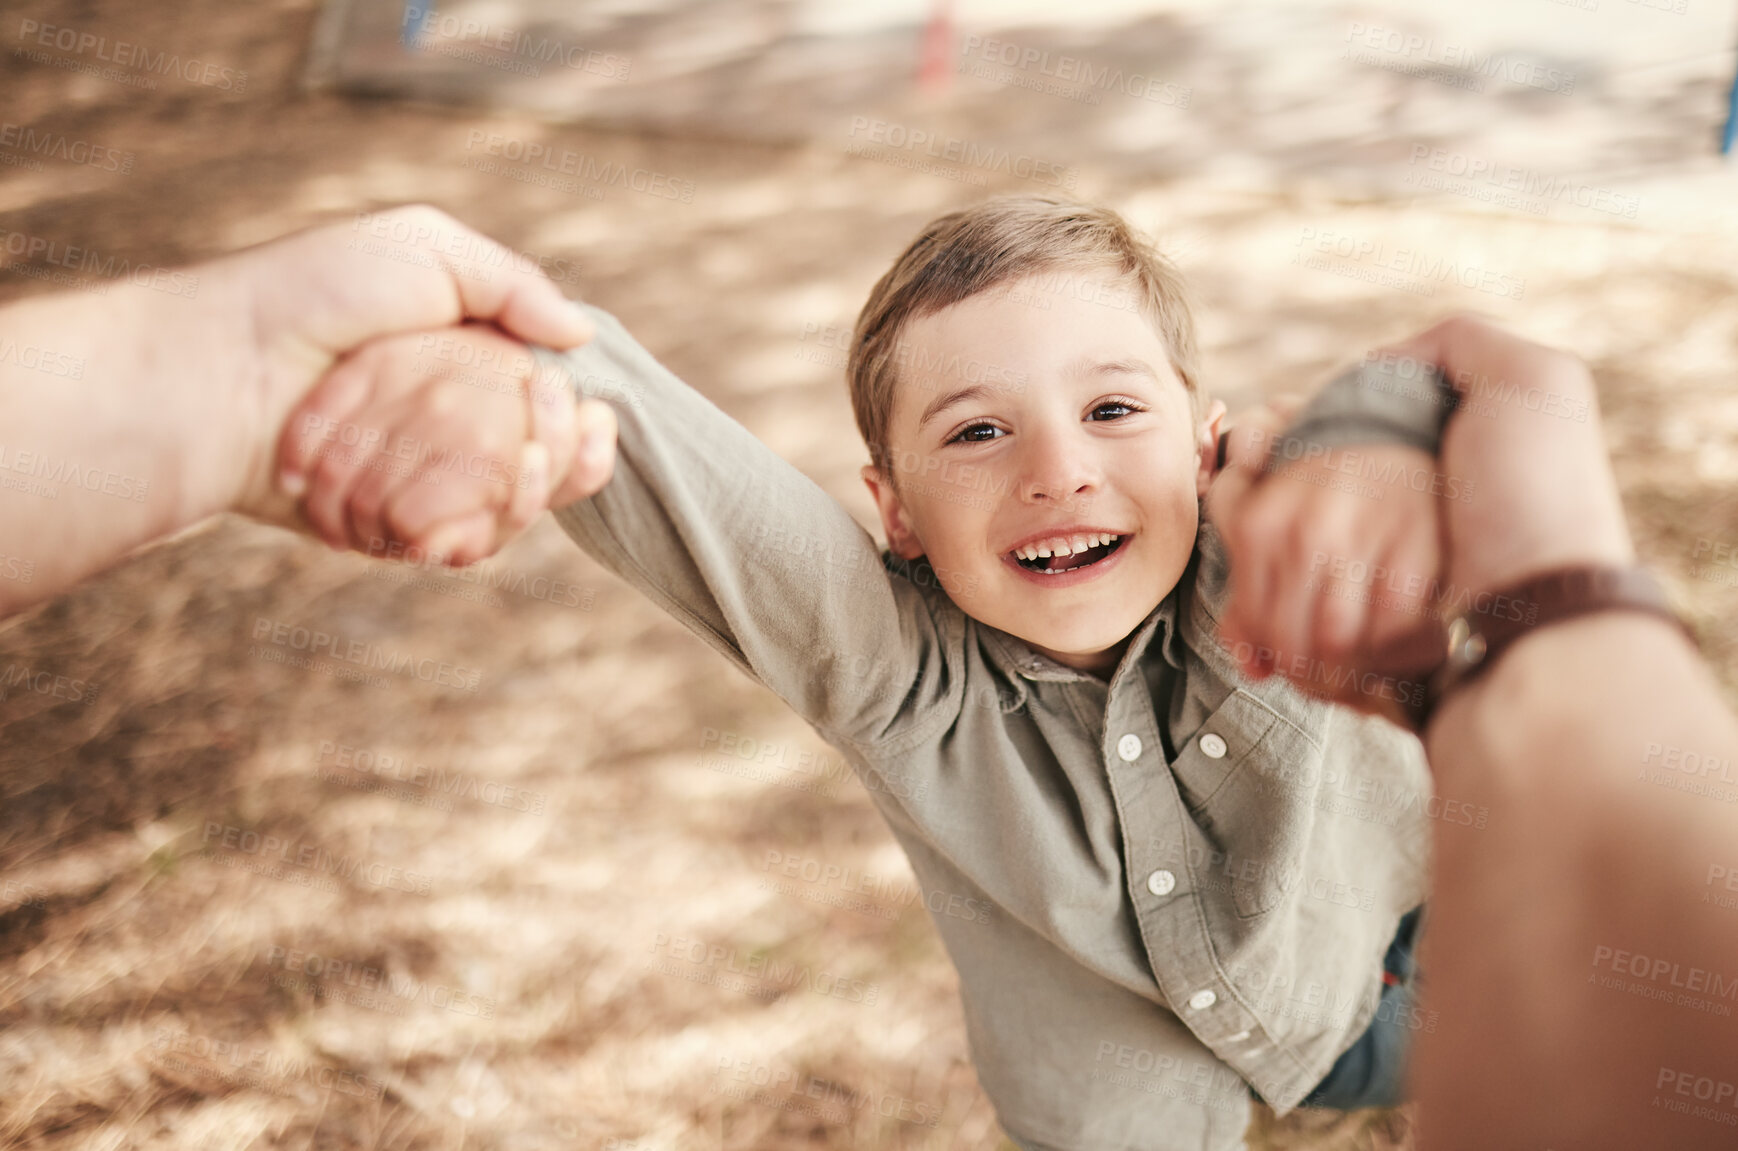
(1237, 776)
(1218, 748)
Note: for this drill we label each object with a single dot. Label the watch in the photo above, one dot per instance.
(1495, 620)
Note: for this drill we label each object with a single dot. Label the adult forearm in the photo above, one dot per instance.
(139, 437)
(1583, 987)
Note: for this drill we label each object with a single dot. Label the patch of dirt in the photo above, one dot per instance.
(155, 953)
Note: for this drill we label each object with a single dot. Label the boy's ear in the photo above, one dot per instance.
(1207, 444)
(902, 541)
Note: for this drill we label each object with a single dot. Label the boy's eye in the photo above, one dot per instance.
(1122, 402)
(964, 435)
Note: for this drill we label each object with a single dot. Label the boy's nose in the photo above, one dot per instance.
(1058, 472)
(1037, 492)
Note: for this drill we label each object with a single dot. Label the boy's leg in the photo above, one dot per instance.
(1372, 1072)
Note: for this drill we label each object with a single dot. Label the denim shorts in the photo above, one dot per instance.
(1372, 1072)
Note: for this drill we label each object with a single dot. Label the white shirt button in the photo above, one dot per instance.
(1161, 883)
(1129, 747)
(1212, 746)
(1202, 1000)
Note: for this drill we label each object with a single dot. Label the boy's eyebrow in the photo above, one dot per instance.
(976, 391)
(1132, 365)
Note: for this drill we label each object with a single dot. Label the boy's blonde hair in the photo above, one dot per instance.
(972, 250)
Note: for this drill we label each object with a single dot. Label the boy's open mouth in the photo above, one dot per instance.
(1100, 545)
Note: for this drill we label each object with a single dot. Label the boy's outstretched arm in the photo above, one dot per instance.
(754, 557)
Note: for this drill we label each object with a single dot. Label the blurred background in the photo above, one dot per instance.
(245, 904)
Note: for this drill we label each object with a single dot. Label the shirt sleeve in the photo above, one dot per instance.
(753, 556)
(1379, 401)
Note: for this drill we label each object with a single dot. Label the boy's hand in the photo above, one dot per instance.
(450, 442)
(1535, 492)
(1334, 565)
(306, 300)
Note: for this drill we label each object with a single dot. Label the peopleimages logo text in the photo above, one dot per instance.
(363, 654)
(58, 146)
(587, 167)
(130, 55)
(27, 247)
(969, 153)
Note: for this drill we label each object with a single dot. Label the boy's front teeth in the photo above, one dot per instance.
(1062, 546)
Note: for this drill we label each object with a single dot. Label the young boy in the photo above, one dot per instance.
(1199, 883)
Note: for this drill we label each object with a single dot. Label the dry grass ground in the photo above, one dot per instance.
(502, 976)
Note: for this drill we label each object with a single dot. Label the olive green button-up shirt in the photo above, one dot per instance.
(1191, 878)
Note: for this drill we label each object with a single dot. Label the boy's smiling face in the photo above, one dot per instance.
(1078, 424)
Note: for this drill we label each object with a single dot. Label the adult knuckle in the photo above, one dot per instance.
(1333, 628)
(395, 520)
(330, 474)
(1461, 325)
(1241, 532)
(1261, 521)
(366, 501)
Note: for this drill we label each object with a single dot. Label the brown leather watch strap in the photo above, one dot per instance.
(1495, 620)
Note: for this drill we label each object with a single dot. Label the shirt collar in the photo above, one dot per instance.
(1016, 658)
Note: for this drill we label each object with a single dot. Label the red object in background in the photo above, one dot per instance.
(935, 64)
